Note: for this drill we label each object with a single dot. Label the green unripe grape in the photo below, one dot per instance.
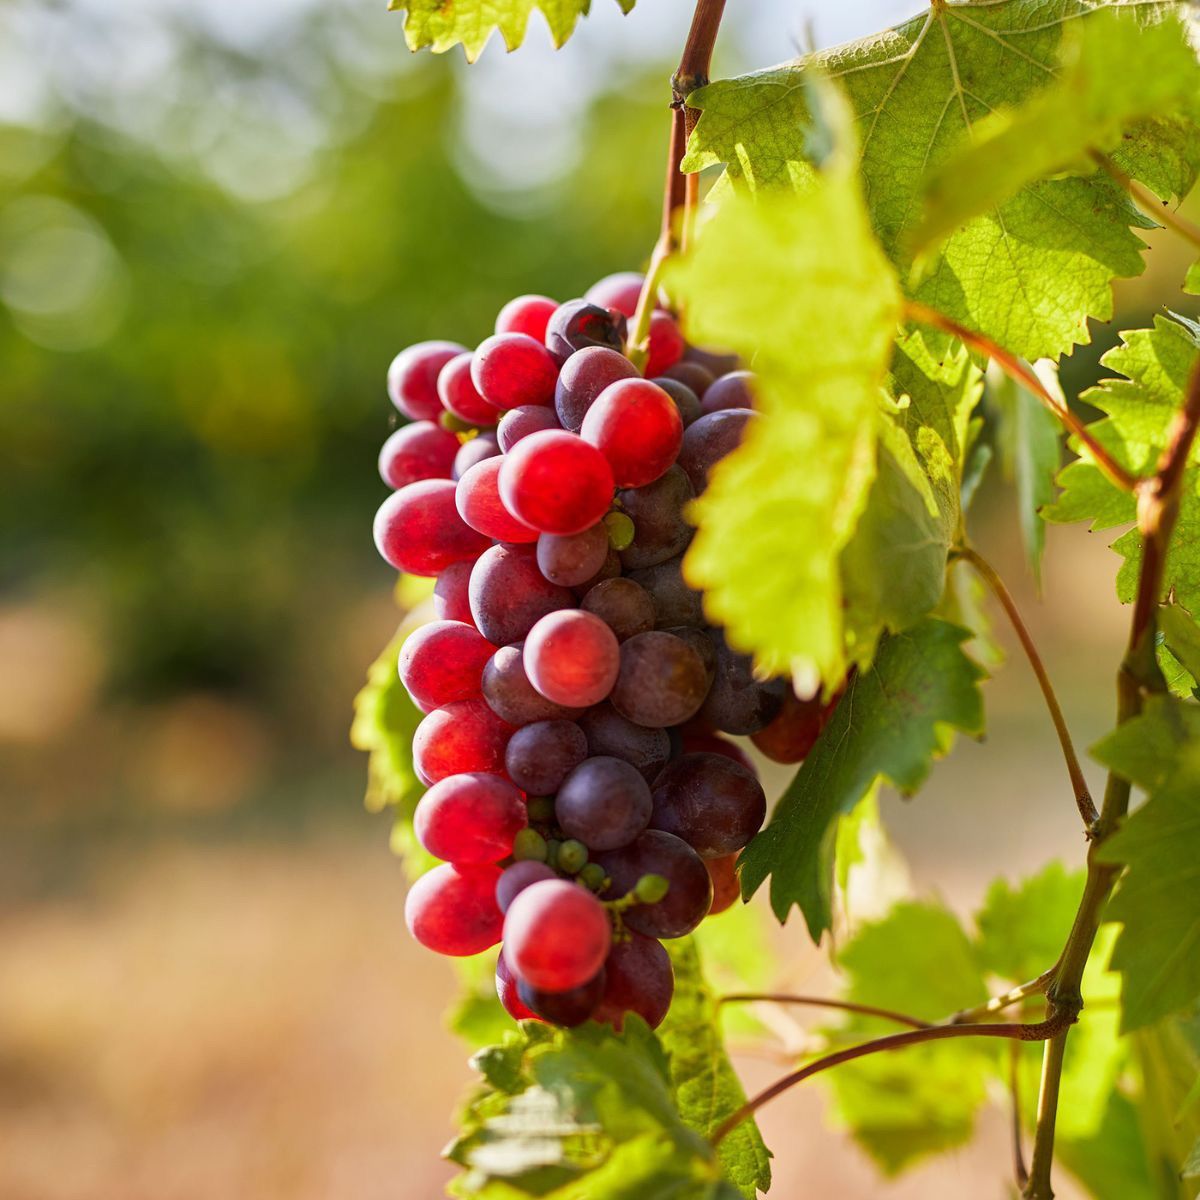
(650, 889)
(553, 846)
(572, 856)
(592, 876)
(529, 844)
(540, 808)
(620, 530)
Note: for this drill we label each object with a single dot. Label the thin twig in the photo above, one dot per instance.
(1035, 987)
(1036, 1032)
(1147, 201)
(1020, 1171)
(867, 1010)
(1083, 797)
(1011, 365)
(1139, 675)
(692, 73)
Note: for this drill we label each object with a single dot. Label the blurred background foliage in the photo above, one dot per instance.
(218, 223)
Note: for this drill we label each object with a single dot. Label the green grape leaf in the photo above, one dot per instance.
(1191, 284)
(894, 719)
(1030, 442)
(783, 280)
(1181, 636)
(1158, 951)
(1168, 1054)
(575, 1114)
(706, 1088)
(1111, 1163)
(902, 1107)
(1029, 272)
(1116, 70)
(444, 24)
(385, 719)
(894, 567)
(1023, 929)
(1156, 364)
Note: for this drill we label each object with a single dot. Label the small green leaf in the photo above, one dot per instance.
(1182, 636)
(1115, 71)
(902, 1107)
(1111, 1163)
(385, 719)
(1023, 929)
(1191, 284)
(1156, 364)
(1158, 952)
(895, 718)
(706, 1088)
(1030, 439)
(469, 23)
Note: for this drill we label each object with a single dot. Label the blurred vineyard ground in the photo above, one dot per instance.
(217, 225)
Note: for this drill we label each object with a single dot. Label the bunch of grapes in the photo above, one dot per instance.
(580, 791)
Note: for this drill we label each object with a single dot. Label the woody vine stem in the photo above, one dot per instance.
(1158, 499)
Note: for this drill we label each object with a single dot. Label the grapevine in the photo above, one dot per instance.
(727, 498)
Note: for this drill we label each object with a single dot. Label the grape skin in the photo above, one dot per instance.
(521, 422)
(412, 378)
(458, 395)
(575, 558)
(565, 1008)
(727, 888)
(610, 735)
(526, 314)
(517, 878)
(443, 661)
(637, 427)
(460, 737)
(660, 530)
(476, 450)
(477, 499)
(511, 696)
(556, 935)
(542, 754)
(709, 801)
(556, 482)
(689, 895)
(510, 369)
(709, 440)
(450, 599)
(674, 602)
(639, 978)
(572, 658)
(509, 595)
(661, 681)
(604, 803)
(624, 606)
(418, 529)
(583, 377)
(734, 390)
(452, 910)
(422, 450)
(737, 702)
(506, 993)
(470, 818)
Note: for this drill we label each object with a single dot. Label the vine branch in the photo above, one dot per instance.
(1157, 512)
(1083, 797)
(867, 1010)
(1034, 1032)
(1012, 366)
(678, 192)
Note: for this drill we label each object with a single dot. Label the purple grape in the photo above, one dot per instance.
(711, 802)
(689, 891)
(511, 696)
(541, 755)
(737, 702)
(604, 803)
(569, 1008)
(517, 878)
(674, 602)
(661, 681)
(709, 440)
(656, 510)
(583, 377)
(610, 735)
(577, 324)
(509, 595)
(624, 606)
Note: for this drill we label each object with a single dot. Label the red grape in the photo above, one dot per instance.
(689, 893)
(660, 530)
(637, 427)
(556, 935)
(470, 818)
(610, 735)
(478, 501)
(727, 888)
(793, 732)
(556, 482)
(526, 314)
(542, 754)
(661, 682)
(709, 440)
(576, 324)
(412, 378)
(509, 594)
(483, 446)
(452, 910)
(696, 378)
(584, 376)
(460, 737)
(624, 606)
(572, 658)
(566, 1008)
(573, 558)
(738, 702)
(422, 450)
(506, 992)
(711, 802)
(450, 599)
(666, 344)
(511, 369)
(730, 391)
(442, 662)
(517, 878)
(457, 393)
(604, 802)
(418, 529)
(511, 696)
(619, 291)
(638, 978)
(521, 422)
